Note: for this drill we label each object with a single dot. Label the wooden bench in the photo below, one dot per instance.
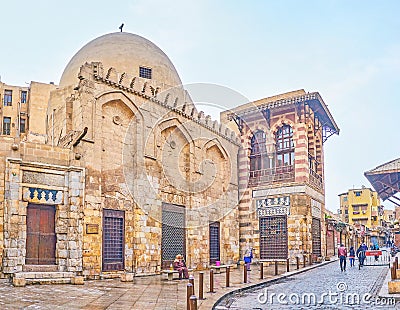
(170, 273)
(218, 268)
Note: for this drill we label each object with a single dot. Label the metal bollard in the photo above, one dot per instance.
(189, 292)
(227, 276)
(276, 267)
(193, 302)
(191, 280)
(310, 259)
(287, 265)
(394, 272)
(297, 262)
(244, 273)
(211, 280)
(304, 260)
(262, 270)
(201, 285)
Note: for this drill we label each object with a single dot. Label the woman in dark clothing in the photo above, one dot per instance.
(352, 255)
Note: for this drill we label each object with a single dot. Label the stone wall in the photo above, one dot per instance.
(141, 150)
(39, 174)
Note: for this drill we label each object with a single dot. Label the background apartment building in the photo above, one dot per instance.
(19, 105)
(361, 206)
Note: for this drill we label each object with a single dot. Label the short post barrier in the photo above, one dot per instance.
(191, 280)
(287, 265)
(276, 267)
(393, 272)
(227, 276)
(304, 261)
(211, 280)
(189, 292)
(193, 302)
(310, 259)
(261, 270)
(201, 285)
(244, 273)
(396, 262)
(297, 262)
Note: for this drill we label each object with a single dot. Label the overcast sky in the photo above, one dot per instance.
(348, 51)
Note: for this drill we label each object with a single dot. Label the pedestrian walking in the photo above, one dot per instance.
(361, 254)
(352, 255)
(342, 253)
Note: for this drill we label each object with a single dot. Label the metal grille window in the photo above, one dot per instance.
(273, 237)
(23, 96)
(173, 233)
(214, 242)
(113, 240)
(6, 125)
(7, 99)
(316, 237)
(145, 72)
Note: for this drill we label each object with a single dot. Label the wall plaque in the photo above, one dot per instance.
(92, 228)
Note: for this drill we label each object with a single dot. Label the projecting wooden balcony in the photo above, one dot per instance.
(271, 175)
(316, 180)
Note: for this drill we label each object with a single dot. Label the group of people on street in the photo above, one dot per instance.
(360, 254)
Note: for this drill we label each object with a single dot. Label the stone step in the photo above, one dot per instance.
(48, 281)
(43, 275)
(41, 268)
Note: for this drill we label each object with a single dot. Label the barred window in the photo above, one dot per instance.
(145, 72)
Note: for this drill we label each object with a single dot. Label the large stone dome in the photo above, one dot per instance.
(126, 52)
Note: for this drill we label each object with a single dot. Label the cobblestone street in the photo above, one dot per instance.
(331, 288)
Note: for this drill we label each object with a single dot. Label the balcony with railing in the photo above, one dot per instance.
(316, 179)
(272, 175)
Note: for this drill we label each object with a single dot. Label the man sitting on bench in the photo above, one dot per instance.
(180, 266)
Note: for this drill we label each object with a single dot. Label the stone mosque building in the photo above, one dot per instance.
(114, 171)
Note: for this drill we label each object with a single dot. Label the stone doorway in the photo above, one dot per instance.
(40, 235)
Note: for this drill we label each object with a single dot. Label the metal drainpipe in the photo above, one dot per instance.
(52, 128)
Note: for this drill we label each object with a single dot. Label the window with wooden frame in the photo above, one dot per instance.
(24, 95)
(258, 153)
(284, 146)
(6, 125)
(7, 98)
(22, 125)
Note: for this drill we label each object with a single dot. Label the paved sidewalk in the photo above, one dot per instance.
(151, 292)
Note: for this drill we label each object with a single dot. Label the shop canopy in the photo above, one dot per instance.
(385, 179)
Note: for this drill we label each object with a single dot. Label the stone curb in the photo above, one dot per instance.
(273, 280)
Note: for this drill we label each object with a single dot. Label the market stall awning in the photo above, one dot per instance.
(385, 179)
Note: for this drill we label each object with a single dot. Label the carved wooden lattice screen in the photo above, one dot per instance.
(316, 236)
(273, 237)
(173, 233)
